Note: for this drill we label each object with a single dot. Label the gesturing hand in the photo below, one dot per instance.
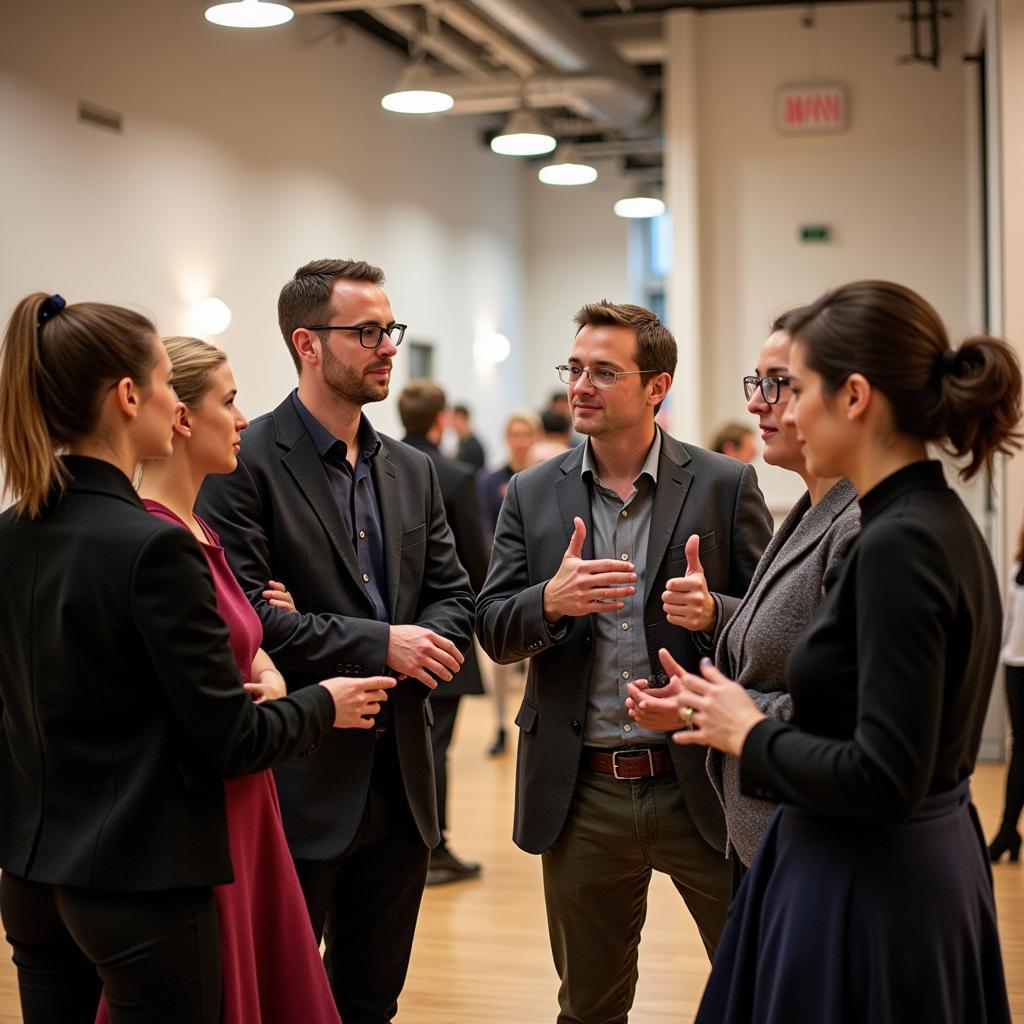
(422, 654)
(721, 712)
(686, 600)
(582, 586)
(356, 701)
(654, 708)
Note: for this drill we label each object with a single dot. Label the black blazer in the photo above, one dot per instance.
(278, 519)
(698, 492)
(121, 700)
(462, 507)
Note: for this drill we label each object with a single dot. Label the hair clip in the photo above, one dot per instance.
(49, 308)
(948, 360)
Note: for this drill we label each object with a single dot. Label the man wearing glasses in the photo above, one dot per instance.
(354, 523)
(589, 552)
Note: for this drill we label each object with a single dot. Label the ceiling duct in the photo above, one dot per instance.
(593, 81)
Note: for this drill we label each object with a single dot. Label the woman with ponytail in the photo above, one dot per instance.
(120, 704)
(870, 898)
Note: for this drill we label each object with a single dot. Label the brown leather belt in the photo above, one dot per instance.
(630, 763)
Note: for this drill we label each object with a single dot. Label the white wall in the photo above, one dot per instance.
(576, 251)
(893, 186)
(244, 155)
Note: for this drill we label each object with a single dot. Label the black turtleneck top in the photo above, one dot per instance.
(891, 679)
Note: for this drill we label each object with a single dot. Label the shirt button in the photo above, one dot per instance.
(362, 535)
(627, 728)
(366, 579)
(625, 625)
(624, 556)
(624, 513)
(625, 675)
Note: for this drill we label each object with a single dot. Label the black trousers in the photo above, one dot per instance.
(155, 954)
(445, 710)
(1014, 803)
(364, 902)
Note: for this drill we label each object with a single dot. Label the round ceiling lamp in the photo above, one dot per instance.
(567, 168)
(639, 206)
(249, 14)
(416, 93)
(524, 135)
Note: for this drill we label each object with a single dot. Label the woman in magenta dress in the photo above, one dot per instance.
(272, 971)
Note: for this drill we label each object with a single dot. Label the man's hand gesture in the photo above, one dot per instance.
(582, 586)
(686, 600)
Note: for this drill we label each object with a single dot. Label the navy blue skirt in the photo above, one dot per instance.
(844, 920)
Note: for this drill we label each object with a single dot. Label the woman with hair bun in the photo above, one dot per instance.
(120, 704)
(870, 898)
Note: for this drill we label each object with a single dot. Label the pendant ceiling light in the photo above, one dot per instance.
(249, 14)
(567, 168)
(524, 135)
(643, 204)
(416, 93)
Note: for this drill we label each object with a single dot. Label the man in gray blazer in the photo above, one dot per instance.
(354, 522)
(584, 549)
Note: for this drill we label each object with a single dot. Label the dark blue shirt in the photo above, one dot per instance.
(357, 500)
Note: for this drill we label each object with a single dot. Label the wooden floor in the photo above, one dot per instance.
(481, 954)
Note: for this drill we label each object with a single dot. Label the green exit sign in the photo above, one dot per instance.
(815, 233)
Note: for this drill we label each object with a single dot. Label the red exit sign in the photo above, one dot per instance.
(812, 108)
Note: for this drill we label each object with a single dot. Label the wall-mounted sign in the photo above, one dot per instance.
(815, 233)
(812, 108)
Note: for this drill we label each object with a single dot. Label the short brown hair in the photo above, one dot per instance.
(52, 382)
(655, 347)
(730, 433)
(306, 298)
(419, 405)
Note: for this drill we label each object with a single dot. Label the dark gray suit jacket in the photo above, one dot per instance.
(698, 492)
(278, 519)
(462, 507)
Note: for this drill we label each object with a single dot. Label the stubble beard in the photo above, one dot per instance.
(350, 385)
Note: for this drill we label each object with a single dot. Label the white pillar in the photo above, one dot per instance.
(683, 200)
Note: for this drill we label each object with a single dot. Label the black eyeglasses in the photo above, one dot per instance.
(771, 387)
(370, 335)
(601, 378)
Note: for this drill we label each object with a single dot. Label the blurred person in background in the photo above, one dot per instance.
(735, 440)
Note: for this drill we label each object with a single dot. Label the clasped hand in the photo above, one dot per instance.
(720, 711)
(420, 653)
(581, 586)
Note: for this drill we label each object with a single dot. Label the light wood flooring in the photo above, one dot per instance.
(481, 953)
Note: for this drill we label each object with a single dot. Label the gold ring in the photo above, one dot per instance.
(687, 718)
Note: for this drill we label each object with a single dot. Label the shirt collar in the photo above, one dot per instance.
(324, 441)
(649, 468)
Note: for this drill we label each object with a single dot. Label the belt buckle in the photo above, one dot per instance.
(615, 762)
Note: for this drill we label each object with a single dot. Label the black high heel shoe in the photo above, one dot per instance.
(498, 747)
(1007, 840)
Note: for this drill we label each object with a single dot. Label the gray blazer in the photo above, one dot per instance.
(698, 492)
(754, 643)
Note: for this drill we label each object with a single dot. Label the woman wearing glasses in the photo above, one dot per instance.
(753, 639)
(870, 898)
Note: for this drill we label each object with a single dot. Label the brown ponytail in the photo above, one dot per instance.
(979, 406)
(969, 397)
(52, 380)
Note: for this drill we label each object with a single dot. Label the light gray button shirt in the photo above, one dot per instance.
(620, 530)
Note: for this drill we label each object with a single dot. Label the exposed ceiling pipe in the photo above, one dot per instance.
(565, 40)
(515, 57)
(548, 28)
